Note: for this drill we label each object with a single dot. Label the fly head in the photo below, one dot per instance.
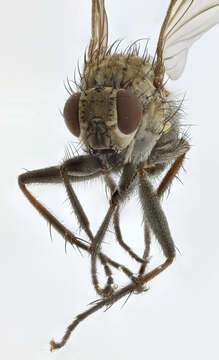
(105, 118)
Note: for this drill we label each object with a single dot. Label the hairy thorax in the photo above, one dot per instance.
(156, 142)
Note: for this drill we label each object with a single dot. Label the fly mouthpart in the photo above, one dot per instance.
(103, 151)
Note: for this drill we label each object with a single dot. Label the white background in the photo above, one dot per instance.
(42, 288)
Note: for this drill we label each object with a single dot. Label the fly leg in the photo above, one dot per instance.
(147, 242)
(125, 186)
(168, 178)
(159, 225)
(164, 185)
(155, 217)
(50, 175)
(127, 180)
(81, 168)
(75, 169)
(157, 221)
(116, 222)
(66, 170)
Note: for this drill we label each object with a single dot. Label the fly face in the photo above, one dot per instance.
(105, 118)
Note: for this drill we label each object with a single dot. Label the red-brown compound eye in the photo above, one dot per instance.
(71, 114)
(129, 111)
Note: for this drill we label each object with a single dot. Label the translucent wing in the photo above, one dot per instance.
(186, 21)
(99, 28)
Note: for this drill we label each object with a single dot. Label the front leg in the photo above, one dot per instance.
(116, 222)
(83, 168)
(67, 170)
(125, 186)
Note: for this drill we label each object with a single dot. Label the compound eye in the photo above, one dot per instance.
(71, 114)
(129, 111)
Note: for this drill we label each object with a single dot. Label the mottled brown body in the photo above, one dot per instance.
(157, 141)
(129, 124)
(145, 152)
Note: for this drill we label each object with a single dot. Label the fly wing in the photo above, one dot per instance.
(99, 28)
(186, 21)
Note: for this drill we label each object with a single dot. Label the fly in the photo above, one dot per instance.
(129, 125)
